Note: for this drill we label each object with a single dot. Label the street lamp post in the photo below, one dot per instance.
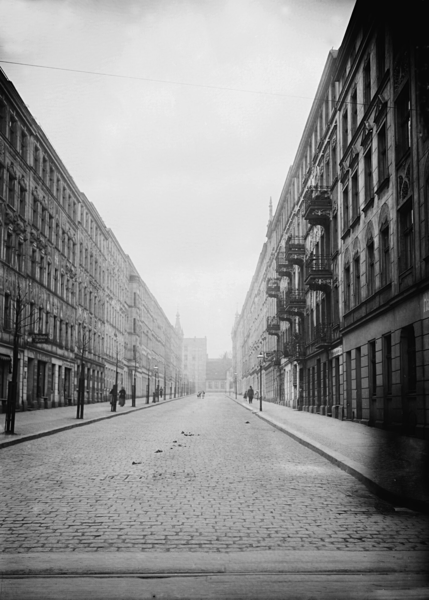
(133, 401)
(115, 389)
(235, 377)
(260, 356)
(156, 392)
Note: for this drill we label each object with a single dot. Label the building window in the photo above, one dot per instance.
(347, 285)
(355, 196)
(369, 181)
(45, 170)
(49, 276)
(3, 117)
(354, 111)
(34, 263)
(35, 212)
(9, 247)
(345, 130)
(51, 179)
(24, 145)
(403, 123)
(406, 225)
(370, 273)
(367, 83)
(13, 131)
(20, 256)
(385, 269)
(382, 154)
(36, 159)
(346, 215)
(357, 284)
(7, 313)
(22, 200)
(381, 53)
(11, 190)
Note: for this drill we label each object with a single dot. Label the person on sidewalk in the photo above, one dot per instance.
(122, 396)
(250, 394)
(113, 400)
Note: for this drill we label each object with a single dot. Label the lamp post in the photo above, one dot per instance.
(156, 392)
(235, 378)
(115, 389)
(133, 400)
(260, 356)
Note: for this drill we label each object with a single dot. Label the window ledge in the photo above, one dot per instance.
(345, 233)
(355, 221)
(368, 204)
(383, 185)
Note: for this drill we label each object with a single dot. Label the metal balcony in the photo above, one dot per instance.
(318, 273)
(273, 287)
(295, 349)
(295, 302)
(323, 335)
(273, 325)
(284, 268)
(295, 250)
(318, 206)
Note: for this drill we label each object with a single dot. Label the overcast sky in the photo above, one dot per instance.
(182, 153)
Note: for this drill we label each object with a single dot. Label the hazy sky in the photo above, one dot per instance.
(182, 153)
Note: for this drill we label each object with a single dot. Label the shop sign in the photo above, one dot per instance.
(40, 338)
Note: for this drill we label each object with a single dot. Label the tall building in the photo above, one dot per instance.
(337, 315)
(195, 363)
(73, 307)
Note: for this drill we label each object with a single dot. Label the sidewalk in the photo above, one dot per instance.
(30, 425)
(393, 466)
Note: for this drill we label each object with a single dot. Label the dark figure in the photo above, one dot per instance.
(122, 395)
(250, 394)
(161, 391)
(113, 400)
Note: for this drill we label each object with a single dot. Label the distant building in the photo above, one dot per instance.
(217, 374)
(195, 363)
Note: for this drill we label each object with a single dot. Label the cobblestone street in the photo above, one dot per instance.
(201, 475)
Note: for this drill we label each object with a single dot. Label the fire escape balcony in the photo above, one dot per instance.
(323, 335)
(294, 302)
(295, 250)
(284, 267)
(295, 348)
(318, 273)
(318, 206)
(273, 325)
(273, 287)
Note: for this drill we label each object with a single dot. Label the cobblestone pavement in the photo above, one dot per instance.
(194, 475)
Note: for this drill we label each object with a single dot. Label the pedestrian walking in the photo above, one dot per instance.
(122, 396)
(113, 399)
(250, 394)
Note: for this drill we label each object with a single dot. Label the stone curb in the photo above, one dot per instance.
(80, 423)
(251, 562)
(365, 476)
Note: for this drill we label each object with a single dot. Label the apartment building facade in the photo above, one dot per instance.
(346, 287)
(67, 288)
